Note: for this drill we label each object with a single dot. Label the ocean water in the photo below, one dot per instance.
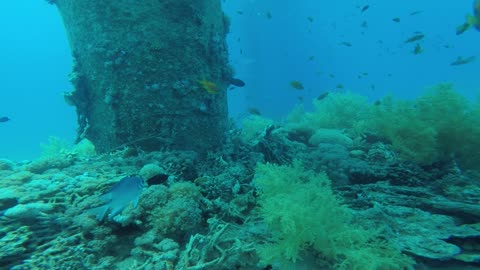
(354, 148)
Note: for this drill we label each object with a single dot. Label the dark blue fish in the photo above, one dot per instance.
(4, 119)
(237, 82)
(120, 196)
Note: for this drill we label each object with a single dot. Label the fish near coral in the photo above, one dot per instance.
(208, 86)
(120, 195)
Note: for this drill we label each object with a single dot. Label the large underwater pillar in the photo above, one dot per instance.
(138, 68)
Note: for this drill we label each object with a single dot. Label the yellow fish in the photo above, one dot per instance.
(209, 86)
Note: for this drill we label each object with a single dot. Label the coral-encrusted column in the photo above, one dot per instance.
(137, 70)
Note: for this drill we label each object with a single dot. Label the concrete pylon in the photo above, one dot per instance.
(148, 73)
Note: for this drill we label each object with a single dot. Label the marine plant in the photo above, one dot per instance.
(307, 220)
(440, 125)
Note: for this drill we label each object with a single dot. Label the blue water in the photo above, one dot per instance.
(267, 53)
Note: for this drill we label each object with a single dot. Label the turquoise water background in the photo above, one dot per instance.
(271, 44)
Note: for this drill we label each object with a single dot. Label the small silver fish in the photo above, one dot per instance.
(127, 190)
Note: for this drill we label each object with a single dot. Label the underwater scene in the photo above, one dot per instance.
(240, 135)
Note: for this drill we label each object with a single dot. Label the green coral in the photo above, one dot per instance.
(337, 111)
(440, 125)
(305, 218)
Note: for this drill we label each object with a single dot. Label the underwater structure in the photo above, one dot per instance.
(148, 74)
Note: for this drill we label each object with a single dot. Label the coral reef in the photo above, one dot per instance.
(277, 196)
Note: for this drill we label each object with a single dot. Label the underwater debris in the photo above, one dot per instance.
(296, 85)
(209, 86)
(127, 190)
(416, 37)
(4, 119)
(462, 61)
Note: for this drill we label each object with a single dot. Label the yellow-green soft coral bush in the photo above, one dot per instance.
(337, 111)
(401, 124)
(305, 217)
(438, 126)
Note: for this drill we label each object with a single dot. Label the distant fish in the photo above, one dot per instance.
(124, 192)
(268, 14)
(416, 12)
(462, 61)
(364, 8)
(237, 82)
(346, 43)
(323, 95)
(415, 37)
(296, 85)
(471, 20)
(4, 119)
(254, 111)
(310, 19)
(418, 49)
(462, 28)
(396, 19)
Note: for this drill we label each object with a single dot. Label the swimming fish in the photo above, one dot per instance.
(120, 195)
(416, 12)
(396, 19)
(254, 111)
(237, 82)
(471, 20)
(346, 44)
(462, 61)
(462, 28)
(418, 49)
(209, 86)
(415, 37)
(365, 8)
(4, 119)
(296, 85)
(323, 95)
